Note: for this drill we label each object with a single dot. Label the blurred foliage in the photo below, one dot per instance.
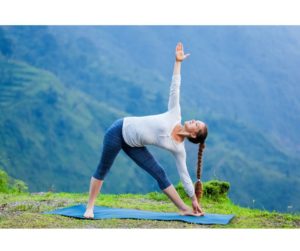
(10, 185)
(214, 190)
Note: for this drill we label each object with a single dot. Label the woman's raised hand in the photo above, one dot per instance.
(179, 53)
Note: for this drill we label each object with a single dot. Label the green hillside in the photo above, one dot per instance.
(49, 134)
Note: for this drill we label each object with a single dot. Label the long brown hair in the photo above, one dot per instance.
(200, 139)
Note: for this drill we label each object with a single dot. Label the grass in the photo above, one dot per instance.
(25, 211)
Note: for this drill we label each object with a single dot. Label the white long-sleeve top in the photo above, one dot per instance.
(156, 130)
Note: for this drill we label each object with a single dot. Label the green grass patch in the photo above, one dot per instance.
(24, 210)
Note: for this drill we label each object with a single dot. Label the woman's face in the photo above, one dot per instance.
(194, 126)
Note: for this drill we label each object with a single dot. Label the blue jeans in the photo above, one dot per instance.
(112, 144)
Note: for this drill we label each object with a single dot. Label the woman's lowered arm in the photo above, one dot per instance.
(186, 181)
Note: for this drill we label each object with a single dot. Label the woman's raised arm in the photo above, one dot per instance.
(176, 79)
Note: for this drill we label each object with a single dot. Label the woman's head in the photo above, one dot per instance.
(198, 132)
(197, 129)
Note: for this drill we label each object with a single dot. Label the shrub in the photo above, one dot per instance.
(10, 185)
(19, 186)
(3, 182)
(214, 190)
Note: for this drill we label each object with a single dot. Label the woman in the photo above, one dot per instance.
(132, 134)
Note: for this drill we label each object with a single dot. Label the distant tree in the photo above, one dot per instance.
(3, 182)
(10, 185)
(19, 186)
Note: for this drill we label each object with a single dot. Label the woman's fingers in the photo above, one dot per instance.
(197, 214)
(193, 214)
(179, 52)
(190, 213)
(179, 46)
(201, 211)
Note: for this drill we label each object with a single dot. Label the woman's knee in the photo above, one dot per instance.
(163, 182)
(98, 175)
(161, 176)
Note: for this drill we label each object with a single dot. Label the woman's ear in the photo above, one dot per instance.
(193, 135)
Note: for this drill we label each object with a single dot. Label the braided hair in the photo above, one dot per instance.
(200, 139)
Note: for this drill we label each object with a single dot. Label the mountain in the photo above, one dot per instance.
(62, 86)
(48, 129)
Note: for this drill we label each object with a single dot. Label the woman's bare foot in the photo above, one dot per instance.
(190, 212)
(89, 213)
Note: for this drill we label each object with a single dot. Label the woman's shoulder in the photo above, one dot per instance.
(175, 113)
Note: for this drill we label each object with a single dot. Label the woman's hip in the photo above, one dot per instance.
(114, 132)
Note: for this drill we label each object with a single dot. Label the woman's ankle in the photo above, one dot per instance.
(88, 207)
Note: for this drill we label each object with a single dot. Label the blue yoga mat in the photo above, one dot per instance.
(77, 211)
